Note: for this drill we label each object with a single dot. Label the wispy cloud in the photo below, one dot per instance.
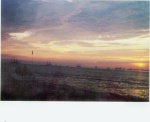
(19, 36)
(108, 20)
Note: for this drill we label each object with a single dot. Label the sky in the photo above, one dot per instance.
(70, 32)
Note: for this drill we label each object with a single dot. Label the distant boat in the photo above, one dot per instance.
(48, 64)
(14, 62)
(130, 69)
(78, 66)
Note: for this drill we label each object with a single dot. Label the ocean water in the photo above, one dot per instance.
(122, 82)
(133, 83)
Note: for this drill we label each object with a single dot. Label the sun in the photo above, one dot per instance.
(140, 65)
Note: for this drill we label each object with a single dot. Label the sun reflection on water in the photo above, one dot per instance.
(139, 92)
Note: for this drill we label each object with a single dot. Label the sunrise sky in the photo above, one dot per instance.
(70, 32)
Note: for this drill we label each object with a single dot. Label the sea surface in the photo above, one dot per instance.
(122, 82)
(134, 83)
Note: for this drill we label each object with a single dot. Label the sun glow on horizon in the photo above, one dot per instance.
(140, 65)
